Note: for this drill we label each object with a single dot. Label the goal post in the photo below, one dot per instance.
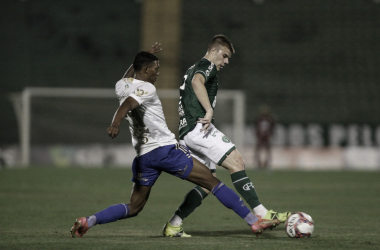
(234, 100)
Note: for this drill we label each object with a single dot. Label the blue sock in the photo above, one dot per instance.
(112, 213)
(230, 200)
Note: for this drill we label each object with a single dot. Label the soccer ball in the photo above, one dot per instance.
(299, 225)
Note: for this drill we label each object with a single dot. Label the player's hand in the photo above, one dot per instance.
(113, 131)
(155, 48)
(206, 121)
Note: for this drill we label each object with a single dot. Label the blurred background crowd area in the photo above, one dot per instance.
(313, 62)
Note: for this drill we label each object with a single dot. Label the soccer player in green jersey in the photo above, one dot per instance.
(198, 95)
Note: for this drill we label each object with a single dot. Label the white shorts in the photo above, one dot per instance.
(210, 149)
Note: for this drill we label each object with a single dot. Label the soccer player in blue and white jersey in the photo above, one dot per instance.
(198, 96)
(157, 150)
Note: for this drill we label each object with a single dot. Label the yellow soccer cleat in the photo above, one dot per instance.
(272, 215)
(174, 231)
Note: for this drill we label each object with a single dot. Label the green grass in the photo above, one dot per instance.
(39, 205)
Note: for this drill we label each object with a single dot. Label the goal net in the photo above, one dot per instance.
(67, 126)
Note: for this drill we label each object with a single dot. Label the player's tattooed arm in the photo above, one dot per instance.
(128, 105)
(155, 48)
(200, 91)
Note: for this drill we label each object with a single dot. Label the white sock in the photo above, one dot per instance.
(251, 219)
(260, 210)
(91, 221)
(175, 220)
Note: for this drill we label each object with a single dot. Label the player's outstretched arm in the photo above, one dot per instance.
(200, 91)
(153, 50)
(128, 105)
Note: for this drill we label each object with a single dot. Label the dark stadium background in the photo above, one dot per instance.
(311, 61)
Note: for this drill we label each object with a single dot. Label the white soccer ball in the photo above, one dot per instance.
(299, 225)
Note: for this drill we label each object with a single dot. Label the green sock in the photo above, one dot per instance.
(192, 200)
(245, 188)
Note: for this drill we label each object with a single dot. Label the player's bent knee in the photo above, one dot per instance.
(134, 212)
(135, 209)
(213, 183)
(208, 191)
(207, 183)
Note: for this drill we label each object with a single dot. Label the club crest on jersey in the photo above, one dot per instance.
(225, 139)
(248, 186)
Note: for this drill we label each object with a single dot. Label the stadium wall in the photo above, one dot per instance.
(122, 155)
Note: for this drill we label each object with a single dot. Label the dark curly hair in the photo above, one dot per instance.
(142, 59)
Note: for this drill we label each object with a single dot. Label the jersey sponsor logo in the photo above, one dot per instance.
(208, 71)
(140, 92)
(248, 186)
(225, 139)
(182, 123)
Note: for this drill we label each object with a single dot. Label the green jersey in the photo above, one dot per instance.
(190, 109)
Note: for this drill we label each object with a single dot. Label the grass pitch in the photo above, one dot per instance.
(38, 206)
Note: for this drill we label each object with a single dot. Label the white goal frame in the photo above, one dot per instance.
(22, 105)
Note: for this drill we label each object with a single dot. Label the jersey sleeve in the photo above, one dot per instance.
(122, 89)
(144, 92)
(208, 70)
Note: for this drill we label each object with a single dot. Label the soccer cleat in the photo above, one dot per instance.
(272, 215)
(263, 224)
(174, 231)
(80, 227)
